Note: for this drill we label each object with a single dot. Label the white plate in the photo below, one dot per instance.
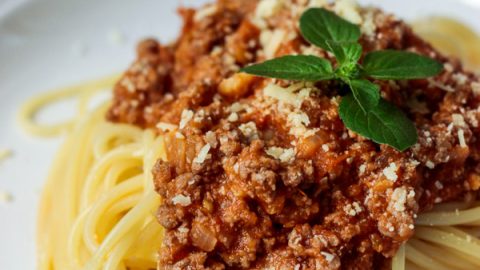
(50, 43)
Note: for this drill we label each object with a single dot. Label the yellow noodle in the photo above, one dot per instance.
(98, 201)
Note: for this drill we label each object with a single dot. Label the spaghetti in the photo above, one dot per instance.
(97, 208)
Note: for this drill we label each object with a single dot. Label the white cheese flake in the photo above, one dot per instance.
(233, 117)
(399, 198)
(362, 169)
(236, 107)
(236, 167)
(277, 92)
(430, 164)
(461, 138)
(181, 200)
(460, 78)
(329, 257)
(298, 119)
(448, 67)
(391, 172)
(325, 147)
(348, 9)
(249, 130)
(357, 207)
(458, 120)
(203, 154)
(432, 83)
(438, 185)
(271, 41)
(353, 209)
(187, 115)
(282, 154)
(317, 3)
(268, 8)
(368, 26)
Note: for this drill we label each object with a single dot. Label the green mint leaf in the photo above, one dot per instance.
(399, 65)
(319, 25)
(385, 124)
(366, 93)
(293, 67)
(345, 52)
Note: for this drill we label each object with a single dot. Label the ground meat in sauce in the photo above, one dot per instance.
(262, 174)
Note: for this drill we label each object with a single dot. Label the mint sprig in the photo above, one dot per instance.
(363, 110)
(294, 67)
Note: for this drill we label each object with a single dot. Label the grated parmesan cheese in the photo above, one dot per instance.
(432, 83)
(297, 122)
(271, 41)
(430, 164)
(461, 138)
(203, 154)
(249, 130)
(460, 78)
(298, 119)
(187, 115)
(288, 95)
(348, 9)
(458, 120)
(284, 155)
(353, 209)
(181, 200)
(165, 127)
(329, 257)
(233, 117)
(268, 8)
(362, 169)
(236, 107)
(317, 3)
(438, 185)
(391, 172)
(282, 94)
(448, 67)
(325, 147)
(399, 198)
(368, 26)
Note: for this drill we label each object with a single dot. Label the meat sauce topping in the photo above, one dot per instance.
(261, 173)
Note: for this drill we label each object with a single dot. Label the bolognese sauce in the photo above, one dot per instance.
(262, 173)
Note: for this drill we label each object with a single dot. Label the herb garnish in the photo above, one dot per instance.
(363, 110)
